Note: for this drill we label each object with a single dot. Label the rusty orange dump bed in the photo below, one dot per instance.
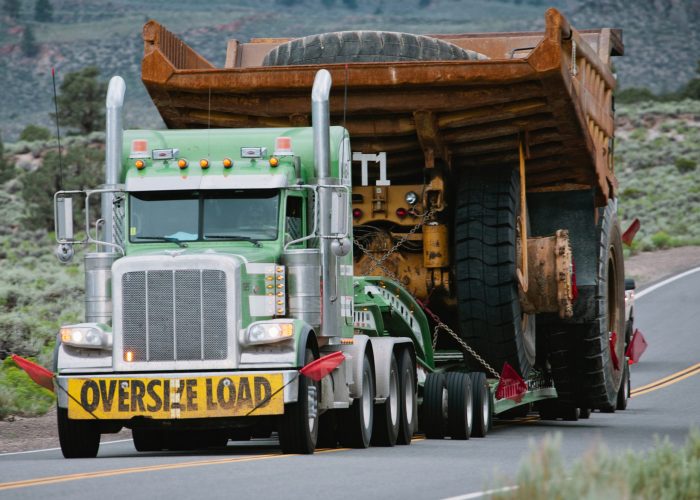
(553, 90)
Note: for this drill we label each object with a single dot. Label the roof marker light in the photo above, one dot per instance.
(139, 164)
(204, 163)
(227, 163)
(182, 163)
(274, 162)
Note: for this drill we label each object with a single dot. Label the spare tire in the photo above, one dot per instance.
(365, 46)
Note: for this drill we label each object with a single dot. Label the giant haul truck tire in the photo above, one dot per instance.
(486, 240)
(78, 438)
(298, 426)
(365, 46)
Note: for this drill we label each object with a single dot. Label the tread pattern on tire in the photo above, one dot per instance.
(365, 46)
(480, 388)
(433, 421)
(459, 412)
(485, 234)
(78, 438)
(406, 430)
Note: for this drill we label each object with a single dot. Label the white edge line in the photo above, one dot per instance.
(54, 449)
(666, 282)
(480, 494)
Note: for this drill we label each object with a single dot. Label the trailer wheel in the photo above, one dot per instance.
(298, 426)
(386, 415)
(409, 401)
(487, 243)
(78, 438)
(460, 405)
(357, 421)
(148, 439)
(481, 395)
(623, 394)
(434, 409)
(365, 46)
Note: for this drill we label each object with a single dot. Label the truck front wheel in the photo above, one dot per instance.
(78, 438)
(298, 428)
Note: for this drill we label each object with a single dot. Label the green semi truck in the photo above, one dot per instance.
(242, 244)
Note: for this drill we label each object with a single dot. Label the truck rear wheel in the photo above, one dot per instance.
(481, 395)
(409, 401)
(365, 46)
(460, 406)
(357, 421)
(148, 439)
(78, 438)
(386, 415)
(434, 408)
(298, 427)
(487, 242)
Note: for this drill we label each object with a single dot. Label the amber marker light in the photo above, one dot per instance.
(128, 356)
(139, 164)
(274, 162)
(182, 163)
(227, 163)
(204, 163)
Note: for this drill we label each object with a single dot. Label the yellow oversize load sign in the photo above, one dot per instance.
(166, 398)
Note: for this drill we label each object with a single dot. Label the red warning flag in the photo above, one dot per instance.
(613, 352)
(510, 385)
(37, 373)
(637, 346)
(321, 367)
(631, 231)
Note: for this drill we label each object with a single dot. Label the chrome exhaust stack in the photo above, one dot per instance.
(114, 136)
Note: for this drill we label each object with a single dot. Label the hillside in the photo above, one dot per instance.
(660, 36)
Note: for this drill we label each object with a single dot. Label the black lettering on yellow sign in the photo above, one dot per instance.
(234, 395)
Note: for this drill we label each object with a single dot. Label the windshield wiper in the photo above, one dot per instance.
(234, 237)
(169, 239)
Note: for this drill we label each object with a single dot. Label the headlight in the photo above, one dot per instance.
(264, 333)
(89, 335)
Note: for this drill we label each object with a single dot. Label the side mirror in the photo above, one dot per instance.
(64, 218)
(630, 284)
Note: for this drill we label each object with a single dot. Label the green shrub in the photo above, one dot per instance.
(685, 165)
(19, 395)
(661, 239)
(664, 472)
(34, 133)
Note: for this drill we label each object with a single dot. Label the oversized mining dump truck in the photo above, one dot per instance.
(483, 178)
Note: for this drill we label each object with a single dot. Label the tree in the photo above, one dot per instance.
(29, 46)
(6, 170)
(81, 100)
(43, 11)
(34, 133)
(11, 8)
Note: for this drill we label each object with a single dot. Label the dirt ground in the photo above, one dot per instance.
(20, 433)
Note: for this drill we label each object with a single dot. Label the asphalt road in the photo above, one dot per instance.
(668, 316)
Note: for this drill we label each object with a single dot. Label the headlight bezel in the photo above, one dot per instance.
(269, 332)
(86, 336)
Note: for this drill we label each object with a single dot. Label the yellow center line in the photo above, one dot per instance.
(667, 378)
(666, 381)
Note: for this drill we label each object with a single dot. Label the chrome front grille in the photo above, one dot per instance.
(174, 315)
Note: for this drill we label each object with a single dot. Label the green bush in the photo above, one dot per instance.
(34, 133)
(685, 165)
(664, 472)
(19, 395)
(661, 239)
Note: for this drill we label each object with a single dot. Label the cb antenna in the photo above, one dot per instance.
(58, 128)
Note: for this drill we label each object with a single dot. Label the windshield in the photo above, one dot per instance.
(236, 215)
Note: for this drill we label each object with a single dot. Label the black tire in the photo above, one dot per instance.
(356, 423)
(460, 405)
(481, 396)
(486, 234)
(365, 46)
(409, 398)
(623, 395)
(298, 426)
(387, 415)
(434, 414)
(584, 413)
(78, 438)
(148, 439)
